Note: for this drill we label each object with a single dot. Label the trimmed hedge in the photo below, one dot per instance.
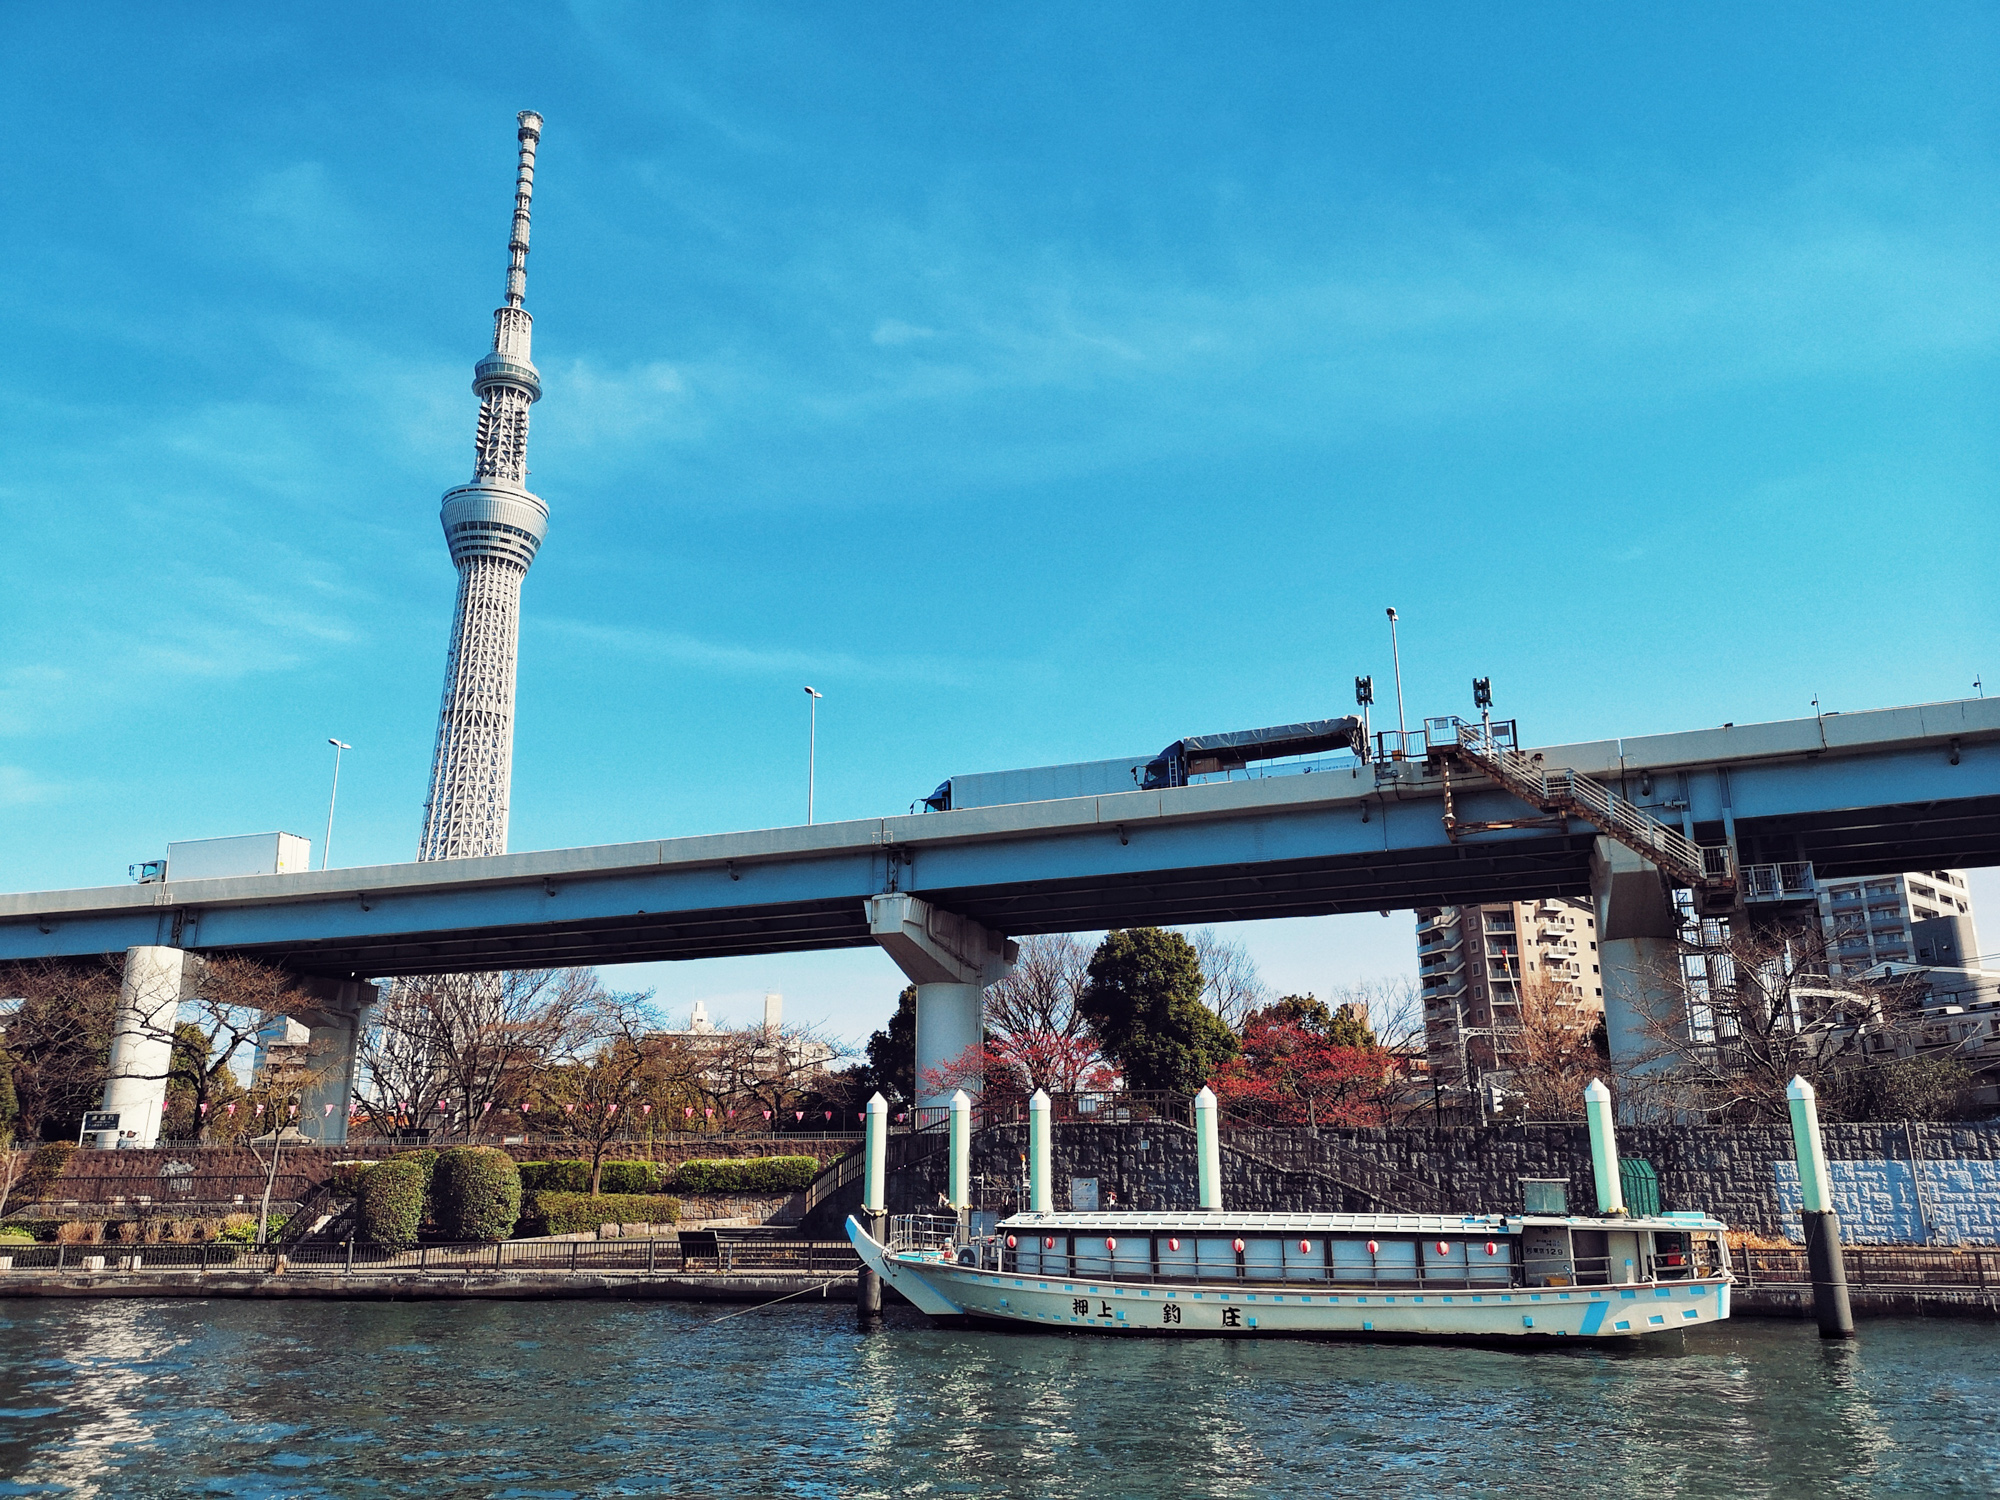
(475, 1194)
(574, 1177)
(345, 1179)
(746, 1174)
(389, 1210)
(550, 1212)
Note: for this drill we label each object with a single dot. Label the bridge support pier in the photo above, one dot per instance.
(951, 959)
(1638, 953)
(335, 1013)
(149, 997)
(142, 1047)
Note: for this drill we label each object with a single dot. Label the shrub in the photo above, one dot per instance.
(241, 1229)
(476, 1194)
(747, 1174)
(574, 1177)
(345, 1179)
(390, 1208)
(44, 1167)
(550, 1212)
(15, 1234)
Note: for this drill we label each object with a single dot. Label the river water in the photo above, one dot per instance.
(545, 1399)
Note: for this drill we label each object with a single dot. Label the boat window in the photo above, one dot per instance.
(1545, 1256)
(1592, 1251)
(1494, 1265)
(1305, 1259)
(1178, 1262)
(1134, 1255)
(1391, 1260)
(1216, 1259)
(1264, 1260)
(1091, 1255)
(1444, 1260)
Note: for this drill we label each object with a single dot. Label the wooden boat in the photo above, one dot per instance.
(1211, 1272)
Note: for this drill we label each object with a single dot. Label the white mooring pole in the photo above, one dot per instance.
(1207, 1151)
(960, 1181)
(1603, 1148)
(1821, 1224)
(1040, 1199)
(874, 1203)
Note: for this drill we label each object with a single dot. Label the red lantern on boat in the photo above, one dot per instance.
(1443, 1248)
(1010, 1242)
(1111, 1245)
(1174, 1245)
(1491, 1248)
(1049, 1243)
(1239, 1247)
(1305, 1247)
(1373, 1248)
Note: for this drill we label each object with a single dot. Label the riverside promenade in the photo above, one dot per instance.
(697, 1266)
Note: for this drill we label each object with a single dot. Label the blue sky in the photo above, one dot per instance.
(1039, 385)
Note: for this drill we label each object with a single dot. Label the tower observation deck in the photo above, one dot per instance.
(494, 528)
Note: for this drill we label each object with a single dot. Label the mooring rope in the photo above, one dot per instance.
(744, 1312)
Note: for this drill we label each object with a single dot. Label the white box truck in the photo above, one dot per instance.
(245, 854)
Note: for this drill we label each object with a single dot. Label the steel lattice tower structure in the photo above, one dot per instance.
(494, 527)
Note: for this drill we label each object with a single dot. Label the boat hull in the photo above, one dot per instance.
(1247, 1310)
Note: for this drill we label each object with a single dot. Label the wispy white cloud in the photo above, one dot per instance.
(749, 661)
(19, 787)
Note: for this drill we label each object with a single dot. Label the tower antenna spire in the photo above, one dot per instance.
(530, 136)
(494, 527)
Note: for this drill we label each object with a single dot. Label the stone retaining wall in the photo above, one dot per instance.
(1937, 1184)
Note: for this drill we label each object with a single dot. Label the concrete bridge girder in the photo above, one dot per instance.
(951, 960)
(157, 979)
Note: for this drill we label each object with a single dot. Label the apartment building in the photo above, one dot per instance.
(1870, 920)
(1472, 964)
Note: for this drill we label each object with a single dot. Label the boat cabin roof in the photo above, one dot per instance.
(1201, 1225)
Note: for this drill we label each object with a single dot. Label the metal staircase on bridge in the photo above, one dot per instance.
(1710, 873)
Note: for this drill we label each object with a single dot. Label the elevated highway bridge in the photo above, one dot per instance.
(1849, 794)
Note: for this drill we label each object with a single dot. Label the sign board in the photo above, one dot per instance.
(96, 1120)
(1083, 1195)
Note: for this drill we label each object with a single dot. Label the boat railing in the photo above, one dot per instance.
(922, 1231)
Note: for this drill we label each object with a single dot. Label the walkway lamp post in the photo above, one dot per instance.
(326, 849)
(1396, 659)
(812, 747)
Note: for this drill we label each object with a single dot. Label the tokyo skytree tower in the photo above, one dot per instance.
(493, 526)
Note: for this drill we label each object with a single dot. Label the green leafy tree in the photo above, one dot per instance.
(892, 1054)
(1349, 1028)
(1143, 999)
(1303, 1011)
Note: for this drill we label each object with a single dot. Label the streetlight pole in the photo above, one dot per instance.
(326, 849)
(1396, 656)
(812, 747)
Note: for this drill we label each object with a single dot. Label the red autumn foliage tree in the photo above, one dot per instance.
(1288, 1074)
(1011, 1068)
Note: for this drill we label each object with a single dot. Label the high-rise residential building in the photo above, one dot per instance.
(1868, 920)
(493, 527)
(1473, 964)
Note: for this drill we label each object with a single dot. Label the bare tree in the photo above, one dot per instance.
(58, 1039)
(1553, 1052)
(592, 1092)
(762, 1068)
(1392, 1009)
(1038, 997)
(443, 1052)
(1744, 1011)
(1231, 986)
